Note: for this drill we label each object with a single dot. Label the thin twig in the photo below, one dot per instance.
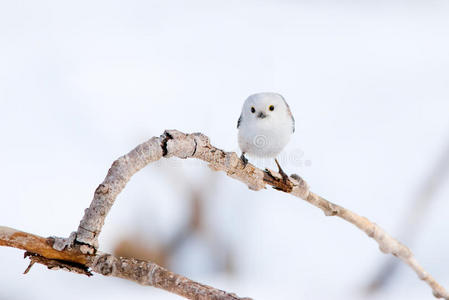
(415, 214)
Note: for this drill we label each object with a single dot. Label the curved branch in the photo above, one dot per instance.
(82, 245)
(197, 145)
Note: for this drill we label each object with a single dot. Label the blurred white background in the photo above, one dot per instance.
(83, 82)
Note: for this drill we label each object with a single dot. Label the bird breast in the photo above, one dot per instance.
(264, 141)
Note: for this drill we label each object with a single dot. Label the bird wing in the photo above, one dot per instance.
(293, 120)
(238, 122)
(290, 114)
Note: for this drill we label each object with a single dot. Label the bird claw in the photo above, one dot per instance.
(281, 184)
(244, 159)
(283, 174)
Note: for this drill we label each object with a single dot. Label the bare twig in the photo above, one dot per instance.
(414, 217)
(40, 250)
(197, 145)
(178, 144)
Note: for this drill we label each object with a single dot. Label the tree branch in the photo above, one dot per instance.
(414, 217)
(41, 250)
(197, 145)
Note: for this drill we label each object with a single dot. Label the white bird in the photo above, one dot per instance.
(265, 126)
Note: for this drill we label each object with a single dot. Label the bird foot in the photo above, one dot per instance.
(283, 174)
(244, 159)
(282, 184)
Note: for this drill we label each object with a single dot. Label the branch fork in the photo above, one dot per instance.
(81, 246)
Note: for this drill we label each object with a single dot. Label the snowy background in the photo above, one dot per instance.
(83, 82)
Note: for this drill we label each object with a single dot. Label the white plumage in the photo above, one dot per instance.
(265, 125)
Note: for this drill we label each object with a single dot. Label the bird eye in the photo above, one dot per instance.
(271, 107)
(253, 110)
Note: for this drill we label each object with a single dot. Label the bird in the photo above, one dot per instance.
(265, 127)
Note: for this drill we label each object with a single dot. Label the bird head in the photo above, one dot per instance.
(265, 106)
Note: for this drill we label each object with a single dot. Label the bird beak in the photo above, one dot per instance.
(261, 115)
